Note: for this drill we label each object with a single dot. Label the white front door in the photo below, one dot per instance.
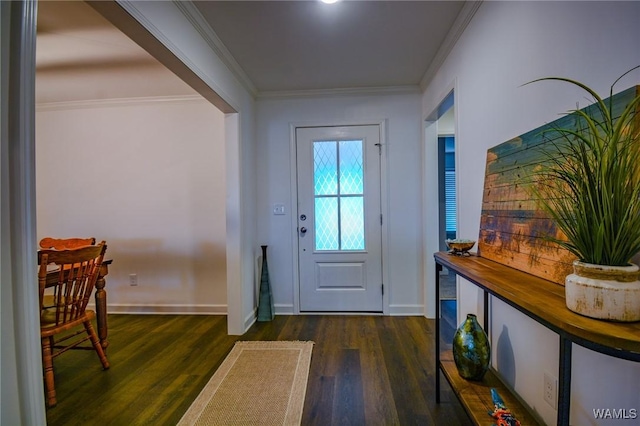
(339, 219)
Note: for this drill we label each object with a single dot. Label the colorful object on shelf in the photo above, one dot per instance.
(265, 299)
(471, 351)
(501, 413)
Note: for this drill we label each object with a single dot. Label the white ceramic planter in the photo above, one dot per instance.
(604, 292)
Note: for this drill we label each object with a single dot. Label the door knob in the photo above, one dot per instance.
(303, 230)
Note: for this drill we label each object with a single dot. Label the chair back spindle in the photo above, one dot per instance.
(76, 278)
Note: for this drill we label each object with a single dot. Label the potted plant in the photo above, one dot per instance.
(589, 185)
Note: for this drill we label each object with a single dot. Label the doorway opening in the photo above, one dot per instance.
(441, 219)
(161, 134)
(447, 214)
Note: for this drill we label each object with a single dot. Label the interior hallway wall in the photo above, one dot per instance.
(402, 215)
(506, 45)
(149, 178)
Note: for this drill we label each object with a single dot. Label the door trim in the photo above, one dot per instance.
(18, 228)
(430, 216)
(384, 205)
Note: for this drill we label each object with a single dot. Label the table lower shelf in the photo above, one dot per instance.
(475, 396)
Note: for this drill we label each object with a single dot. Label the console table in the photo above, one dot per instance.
(544, 302)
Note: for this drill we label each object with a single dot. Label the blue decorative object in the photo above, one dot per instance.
(500, 412)
(265, 298)
(471, 351)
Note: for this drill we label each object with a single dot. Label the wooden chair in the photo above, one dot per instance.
(65, 311)
(65, 243)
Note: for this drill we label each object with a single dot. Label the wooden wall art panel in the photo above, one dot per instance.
(513, 229)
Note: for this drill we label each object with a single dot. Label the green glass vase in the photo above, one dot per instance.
(471, 351)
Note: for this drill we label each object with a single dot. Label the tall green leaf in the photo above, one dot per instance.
(589, 184)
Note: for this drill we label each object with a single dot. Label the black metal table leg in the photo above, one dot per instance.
(437, 334)
(564, 382)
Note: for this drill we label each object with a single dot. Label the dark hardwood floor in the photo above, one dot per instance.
(365, 370)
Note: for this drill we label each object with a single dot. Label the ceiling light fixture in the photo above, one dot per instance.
(329, 1)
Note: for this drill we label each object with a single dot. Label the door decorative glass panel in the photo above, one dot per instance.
(338, 175)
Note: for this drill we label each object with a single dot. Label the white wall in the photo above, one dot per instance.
(149, 178)
(506, 45)
(402, 112)
(169, 23)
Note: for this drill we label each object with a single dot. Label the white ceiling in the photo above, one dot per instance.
(275, 47)
(309, 45)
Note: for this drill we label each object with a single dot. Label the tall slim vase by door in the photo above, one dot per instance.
(265, 298)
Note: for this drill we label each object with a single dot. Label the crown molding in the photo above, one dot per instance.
(191, 12)
(349, 91)
(459, 26)
(115, 102)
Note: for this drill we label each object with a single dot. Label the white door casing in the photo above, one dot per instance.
(339, 223)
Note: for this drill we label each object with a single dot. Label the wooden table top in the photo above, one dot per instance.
(545, 302)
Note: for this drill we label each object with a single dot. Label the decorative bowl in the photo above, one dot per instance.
(460, 246)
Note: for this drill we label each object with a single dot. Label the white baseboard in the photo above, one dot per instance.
(250, 319)
(406, 310)
(281, 309)
(114, 308)
(253, 316)
(394, 310)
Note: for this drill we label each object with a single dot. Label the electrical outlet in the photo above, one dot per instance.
(550, 390)
(133, 279)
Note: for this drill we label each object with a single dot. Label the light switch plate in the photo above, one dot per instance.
(278, 209)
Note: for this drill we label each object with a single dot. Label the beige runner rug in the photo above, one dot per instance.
(259, 383)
